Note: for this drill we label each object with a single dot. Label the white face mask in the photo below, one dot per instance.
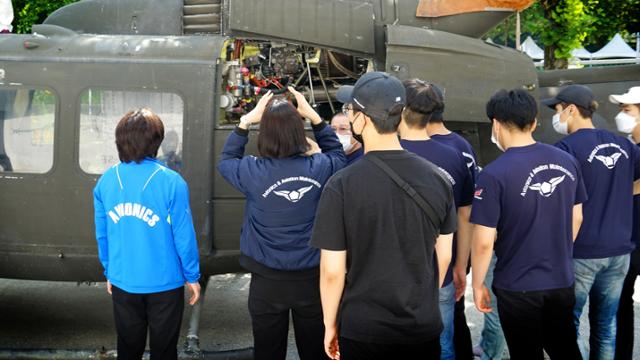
(625, 122)
(345, 140)
(495, 141)
(558, 126)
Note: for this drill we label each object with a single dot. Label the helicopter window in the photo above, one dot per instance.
(27, 118)
(100, 111)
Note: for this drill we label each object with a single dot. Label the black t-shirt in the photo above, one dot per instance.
(391, 288)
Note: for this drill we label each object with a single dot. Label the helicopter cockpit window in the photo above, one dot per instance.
(100, 111)
(27, 118)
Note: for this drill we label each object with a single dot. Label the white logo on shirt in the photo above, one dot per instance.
(607, 160)
(472, 162)
(292, 195)
(547, 188)
(447, 175)
(295, 195)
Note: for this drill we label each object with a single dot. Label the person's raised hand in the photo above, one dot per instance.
(255, 115)
(304, 109)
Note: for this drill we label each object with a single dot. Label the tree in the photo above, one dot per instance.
(564, 25)
(30, 12)
(568, 24)
(611, 17)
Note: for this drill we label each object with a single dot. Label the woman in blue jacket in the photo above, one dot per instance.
(282, 188)
(146, 241)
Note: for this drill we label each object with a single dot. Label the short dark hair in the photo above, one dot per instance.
(513, 108)
(388, 124)
(585, 113)
(425, 103)
(139, 135)
(281, 131)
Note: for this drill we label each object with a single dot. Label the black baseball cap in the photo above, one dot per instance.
(578, 95)
(376, 94)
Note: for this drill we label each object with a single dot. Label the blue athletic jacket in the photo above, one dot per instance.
(282, 196)
(146, 240)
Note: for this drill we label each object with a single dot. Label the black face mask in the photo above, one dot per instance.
(358, 137)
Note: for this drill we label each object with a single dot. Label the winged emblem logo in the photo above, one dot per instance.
(295, 195)
(609, 161)
(547, 188)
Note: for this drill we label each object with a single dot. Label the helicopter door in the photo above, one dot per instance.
(468, 70)
(338, 24)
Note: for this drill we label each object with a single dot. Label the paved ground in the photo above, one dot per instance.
(37, 314)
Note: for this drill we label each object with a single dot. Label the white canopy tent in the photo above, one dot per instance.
(581, 53)
(532, 49)
(616, 48)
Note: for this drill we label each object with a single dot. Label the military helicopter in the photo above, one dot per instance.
(201, 64)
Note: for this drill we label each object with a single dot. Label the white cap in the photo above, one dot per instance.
(630, 97)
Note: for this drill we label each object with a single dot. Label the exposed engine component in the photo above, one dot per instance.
(251, 68)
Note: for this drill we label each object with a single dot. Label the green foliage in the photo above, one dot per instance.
(611, 17)
(568, 24)
(564, 25)
(531, 20)
(30, 12)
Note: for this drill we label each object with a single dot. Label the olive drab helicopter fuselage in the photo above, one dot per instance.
(201, 64)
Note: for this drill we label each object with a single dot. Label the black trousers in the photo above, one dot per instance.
(624, 334)
(534, 321)
(356, 350)
(461, 334)
(270, 302)
(160, 313)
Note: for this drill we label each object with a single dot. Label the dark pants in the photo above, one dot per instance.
(160, 312)
(537, 320)
(461, 334)
(356, 350)
(269, 304)
(624, 334)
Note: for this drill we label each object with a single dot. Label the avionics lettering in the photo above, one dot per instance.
(133, 209)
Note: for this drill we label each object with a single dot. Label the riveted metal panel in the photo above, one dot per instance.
(469, 70)
(347, 25)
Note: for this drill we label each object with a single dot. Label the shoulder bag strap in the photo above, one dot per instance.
(428, 209)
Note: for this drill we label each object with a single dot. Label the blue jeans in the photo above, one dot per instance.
(447, 304)
(599, 280)
(493, 341)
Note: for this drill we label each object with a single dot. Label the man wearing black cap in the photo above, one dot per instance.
(397, 222)
(609, 164)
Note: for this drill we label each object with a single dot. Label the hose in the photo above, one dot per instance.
(341, 68)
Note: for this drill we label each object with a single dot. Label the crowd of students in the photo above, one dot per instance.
(365, 236)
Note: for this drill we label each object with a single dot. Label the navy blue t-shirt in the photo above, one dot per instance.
(453, 166)
(462, 145)
(355, 156)
(528, 194)
(610, 164)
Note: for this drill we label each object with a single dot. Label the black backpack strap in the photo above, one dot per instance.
(428, 209)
